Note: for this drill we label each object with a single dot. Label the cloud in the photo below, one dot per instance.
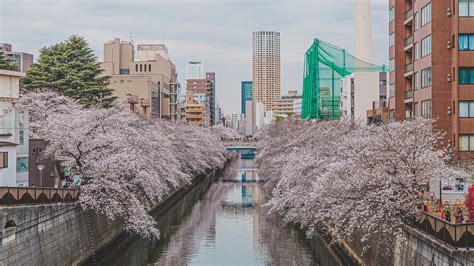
(217, 32)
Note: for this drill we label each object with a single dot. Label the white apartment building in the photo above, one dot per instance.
(360, 92)
(14, 138)
(195, 70)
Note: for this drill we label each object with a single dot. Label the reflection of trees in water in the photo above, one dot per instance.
(199, 224)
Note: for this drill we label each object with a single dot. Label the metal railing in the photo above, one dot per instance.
(409, 14)
(379, 104)
(408, 95)
(33, 195)
(408, 41)
(408, 67)
(456, 235)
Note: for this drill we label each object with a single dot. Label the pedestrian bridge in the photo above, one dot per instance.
(240, 145)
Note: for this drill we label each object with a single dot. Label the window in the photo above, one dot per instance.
(141, 68)
(417, 24)
(466, 75)
(415, 80)
(392, 64)
(149, 67)
(391, 39)
(426, 77)
(391, 14)
(426, 46)
(466, 143)
(466, 109)
(426, 14)
(466, 8)
(417, 51)
(136, 68)
(466, 42)
(391, 90)
(22, 136)
(124, 71)
(426, 108)
(416, 111)
(3, 159)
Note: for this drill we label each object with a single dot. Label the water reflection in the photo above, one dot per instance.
(226, 225)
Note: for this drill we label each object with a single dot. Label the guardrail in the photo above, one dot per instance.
(409, 14)
(456, 235)
(408, 95)
(33, 195)
(408, 41)
(408, 67)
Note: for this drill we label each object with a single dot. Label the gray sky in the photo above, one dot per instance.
(217, 32)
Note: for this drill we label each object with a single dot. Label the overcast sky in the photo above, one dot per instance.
(217, 32)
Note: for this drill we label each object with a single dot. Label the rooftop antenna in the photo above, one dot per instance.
(131, 37)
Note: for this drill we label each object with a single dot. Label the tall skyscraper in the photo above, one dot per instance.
(246, 94)
(195, 70)
(211, 81)
(266, 68)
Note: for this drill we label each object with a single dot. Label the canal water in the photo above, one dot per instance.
(221, 221)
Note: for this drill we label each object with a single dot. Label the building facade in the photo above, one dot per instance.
(14, 140)
(148, 78)
(246, 94)
(22, 61)
(432, 67)
(266, 86)
(194, 110)
(287, 104)
(195, 70)
(360, 92)
(211, 81)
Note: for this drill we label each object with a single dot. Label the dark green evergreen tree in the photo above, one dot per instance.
(70, 68)
(7, 65)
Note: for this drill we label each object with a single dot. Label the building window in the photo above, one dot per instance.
(415, 80)
(466, 75)
(426, 109)
(466, 109)
(466, 42)
(416, 110)
(426, 46)
(149, 67)
(426, 14)
(392, 64)
(391, 39)
(391, 90)
(141, 68)
(417, 23)
(136, 68)
(3, 159)
(417, 50)
(466, 8)
(466, 143)
(426, 77)
(22, 136)
(391, 14)
(124, 71)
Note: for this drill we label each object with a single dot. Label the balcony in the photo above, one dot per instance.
(379, 104)
(408, 17)
(408, 96)
(409, 43)
(408, 70)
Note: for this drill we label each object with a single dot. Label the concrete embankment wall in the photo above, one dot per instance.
(59, 234)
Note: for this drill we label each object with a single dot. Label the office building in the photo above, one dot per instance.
(249, 118)
(432, 67)
(266, 86)
(195, 70)
(148, 79)
(22, 61)
(194, 110)
(287, 104)
(246, 94)
(211, 82)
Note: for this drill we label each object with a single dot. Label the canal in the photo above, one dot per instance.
(221, 221)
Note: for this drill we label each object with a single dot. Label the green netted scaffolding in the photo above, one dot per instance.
(325, 66)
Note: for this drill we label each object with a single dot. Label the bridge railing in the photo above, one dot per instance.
(34, 195)
(239, 144)
(457, 235)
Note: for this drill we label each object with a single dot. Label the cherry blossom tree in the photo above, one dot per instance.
(350, 180)
(127, 164)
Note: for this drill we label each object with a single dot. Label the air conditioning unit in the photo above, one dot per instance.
(448, 12)
(449, 78)
(449, 45)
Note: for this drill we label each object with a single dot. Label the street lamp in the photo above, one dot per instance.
(41, 168)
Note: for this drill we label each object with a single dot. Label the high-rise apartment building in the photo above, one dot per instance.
(266, 68)
(432, 66)
(246, 87)
(195, 70)
(22, 61)
(211, 81)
